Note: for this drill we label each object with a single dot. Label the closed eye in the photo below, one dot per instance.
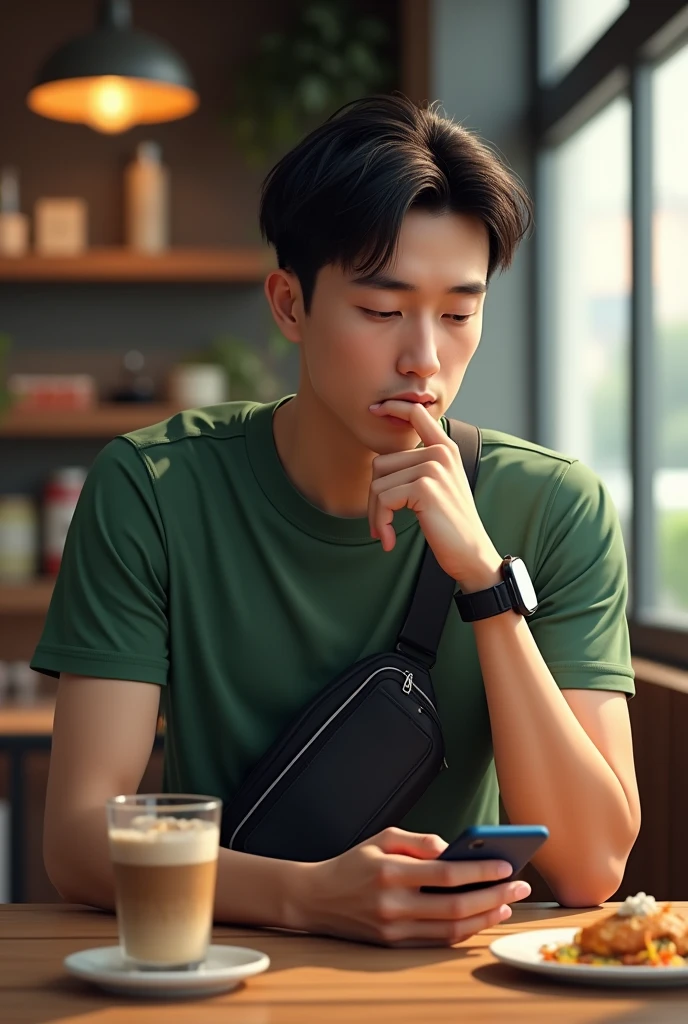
(457, 318)
(379, 315)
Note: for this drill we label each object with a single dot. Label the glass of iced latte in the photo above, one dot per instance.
(164, 853)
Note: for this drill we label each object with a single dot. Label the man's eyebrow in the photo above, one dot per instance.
(386, 283)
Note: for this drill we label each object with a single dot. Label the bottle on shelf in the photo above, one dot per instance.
(14, 225)
(146, 200)
(18, 538)
(60, 497)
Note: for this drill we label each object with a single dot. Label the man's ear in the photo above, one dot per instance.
(283, 292)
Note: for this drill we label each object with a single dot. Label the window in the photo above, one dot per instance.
(612, 296)
(670, 336)
(587, 281)
(570, 27)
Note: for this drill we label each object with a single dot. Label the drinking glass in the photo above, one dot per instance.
(164, 850)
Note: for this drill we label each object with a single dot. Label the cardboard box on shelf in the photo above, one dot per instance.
(46, 391)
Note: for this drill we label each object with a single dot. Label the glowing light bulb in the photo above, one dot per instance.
(110, 105)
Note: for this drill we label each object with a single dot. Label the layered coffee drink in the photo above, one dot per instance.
(165, 870)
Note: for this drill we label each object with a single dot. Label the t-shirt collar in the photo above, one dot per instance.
(290, 502)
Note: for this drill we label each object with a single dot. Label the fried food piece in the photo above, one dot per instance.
(617, 936)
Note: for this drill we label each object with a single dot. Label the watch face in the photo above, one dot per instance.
(524, 585)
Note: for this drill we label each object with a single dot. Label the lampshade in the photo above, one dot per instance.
(114, 77)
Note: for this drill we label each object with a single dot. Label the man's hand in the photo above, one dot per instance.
(371, 893)
(432, 481)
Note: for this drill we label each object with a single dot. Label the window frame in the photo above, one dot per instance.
(621, 62)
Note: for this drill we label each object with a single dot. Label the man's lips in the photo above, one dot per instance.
(411, 396)
(428, 403)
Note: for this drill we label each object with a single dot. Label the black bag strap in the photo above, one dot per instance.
(420, 634)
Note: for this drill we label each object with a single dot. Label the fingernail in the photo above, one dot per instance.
(504, 869)
(521, 890)
(504, 912)
(376, 405)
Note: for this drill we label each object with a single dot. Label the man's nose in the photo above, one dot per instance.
(420, 355)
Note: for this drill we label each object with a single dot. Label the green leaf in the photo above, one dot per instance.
(327, 57)
(326, 17)
(315, 93)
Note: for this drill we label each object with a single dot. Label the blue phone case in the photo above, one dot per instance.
(515, 844)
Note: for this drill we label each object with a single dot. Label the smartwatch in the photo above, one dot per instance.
(515, 593)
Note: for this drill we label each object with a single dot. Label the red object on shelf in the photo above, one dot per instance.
(45, 391)
(59, 501)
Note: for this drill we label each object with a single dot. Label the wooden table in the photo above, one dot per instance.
(315, 981)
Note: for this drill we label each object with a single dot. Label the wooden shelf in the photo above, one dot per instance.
(28, 720)
(30, 598)
(246, 265)
(106, 420)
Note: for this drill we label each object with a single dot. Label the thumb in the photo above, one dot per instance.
(423, 845)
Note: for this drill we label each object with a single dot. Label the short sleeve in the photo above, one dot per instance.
(108, 614)
(580, 578)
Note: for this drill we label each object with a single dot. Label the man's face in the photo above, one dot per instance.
(411, 330)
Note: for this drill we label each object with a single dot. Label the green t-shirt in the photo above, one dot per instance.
(193, 562)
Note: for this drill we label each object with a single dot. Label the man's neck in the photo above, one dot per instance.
(321, 458)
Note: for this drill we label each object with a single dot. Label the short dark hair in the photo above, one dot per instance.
(340, 196)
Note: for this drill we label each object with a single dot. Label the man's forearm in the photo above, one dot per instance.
(550, 772)
(250, 890)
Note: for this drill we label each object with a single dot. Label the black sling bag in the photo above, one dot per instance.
(360, 755)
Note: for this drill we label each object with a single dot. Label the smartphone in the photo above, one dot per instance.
(515, 844)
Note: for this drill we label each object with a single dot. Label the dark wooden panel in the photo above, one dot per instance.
(19, 635)
(674, 795)
(648, 865)
(415, 49)
(39, 888)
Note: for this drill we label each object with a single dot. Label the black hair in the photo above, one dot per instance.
(340, 196)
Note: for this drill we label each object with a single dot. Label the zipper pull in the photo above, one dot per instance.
(408, 682)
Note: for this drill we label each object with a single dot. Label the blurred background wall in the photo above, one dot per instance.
(498, 387)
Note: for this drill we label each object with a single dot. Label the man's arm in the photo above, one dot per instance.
(564, 759)
(103, 735)
(102, 739)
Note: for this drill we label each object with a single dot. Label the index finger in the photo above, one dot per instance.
(425, 425)
(403, 872)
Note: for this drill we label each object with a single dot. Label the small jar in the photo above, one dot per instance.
(60, 497)
(195, 385)
(18, 538)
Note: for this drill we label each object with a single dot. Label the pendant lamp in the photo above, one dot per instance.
(114, 77)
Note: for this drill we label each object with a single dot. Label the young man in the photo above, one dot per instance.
(235, 560)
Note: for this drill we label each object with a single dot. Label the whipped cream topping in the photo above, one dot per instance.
(640, 905)
(151, 840)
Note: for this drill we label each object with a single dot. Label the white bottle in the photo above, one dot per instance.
(146, 200)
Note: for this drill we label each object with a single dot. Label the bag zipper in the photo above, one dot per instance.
(407, 687)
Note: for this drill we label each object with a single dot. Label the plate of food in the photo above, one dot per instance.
(642, 943)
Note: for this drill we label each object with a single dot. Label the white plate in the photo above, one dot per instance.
(523, 950)
(224, 968)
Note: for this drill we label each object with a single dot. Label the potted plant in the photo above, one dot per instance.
(329, 56)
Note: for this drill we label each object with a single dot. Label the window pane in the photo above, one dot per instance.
(670, 295)
(568, 28)
(587, 271)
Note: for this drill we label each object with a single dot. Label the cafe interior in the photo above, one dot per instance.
(131, 287)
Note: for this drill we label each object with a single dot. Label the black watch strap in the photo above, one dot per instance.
(485, 603)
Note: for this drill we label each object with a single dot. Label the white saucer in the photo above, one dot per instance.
(224, 968)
